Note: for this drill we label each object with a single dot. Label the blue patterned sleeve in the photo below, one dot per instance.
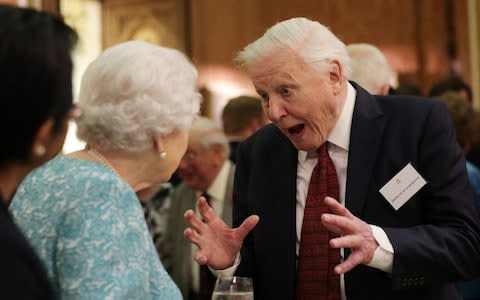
(104, 251)
(97, 255)
(88, 227)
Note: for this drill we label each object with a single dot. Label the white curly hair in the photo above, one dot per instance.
(135, 91)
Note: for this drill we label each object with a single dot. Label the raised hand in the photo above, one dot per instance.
(218, 244)
(354, 233)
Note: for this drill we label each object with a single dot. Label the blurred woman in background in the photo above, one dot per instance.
(465, 121)
(82, 211)
(36, 98)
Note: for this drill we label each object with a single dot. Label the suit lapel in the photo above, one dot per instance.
(277, 207)
(227, 199)
(365, 136)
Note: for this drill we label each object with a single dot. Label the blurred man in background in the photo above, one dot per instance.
(370, 68)
(241, 117)
(205, 171)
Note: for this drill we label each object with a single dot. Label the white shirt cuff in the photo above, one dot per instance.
(383, 255)
(228, 271)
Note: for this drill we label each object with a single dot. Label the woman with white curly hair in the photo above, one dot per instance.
(81, 211)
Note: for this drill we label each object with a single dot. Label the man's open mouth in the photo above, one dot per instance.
(296, 129)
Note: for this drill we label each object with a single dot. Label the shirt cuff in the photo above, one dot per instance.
(383, 255)
(228, 271)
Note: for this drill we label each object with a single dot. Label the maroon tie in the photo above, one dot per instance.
(316, 279)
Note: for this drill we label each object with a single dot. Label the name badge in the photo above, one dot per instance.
(402, 186)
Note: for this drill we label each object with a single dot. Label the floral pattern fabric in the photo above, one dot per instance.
(87, 225)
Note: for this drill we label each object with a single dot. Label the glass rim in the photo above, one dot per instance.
(234, 277)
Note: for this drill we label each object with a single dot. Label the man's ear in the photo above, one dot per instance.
(254, 126)
(384, 90)
(336, 76)
(42, 139)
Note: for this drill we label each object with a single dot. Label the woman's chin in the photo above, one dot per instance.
(146, 194)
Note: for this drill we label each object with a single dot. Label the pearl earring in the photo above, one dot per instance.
(163, 155)
(40, 150)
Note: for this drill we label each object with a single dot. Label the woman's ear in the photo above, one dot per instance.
(159, 147)
(42, 139)
(158, 144)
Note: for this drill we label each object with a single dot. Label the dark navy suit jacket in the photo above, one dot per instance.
(435, 235)
(22, 275)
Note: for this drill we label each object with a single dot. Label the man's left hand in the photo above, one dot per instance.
(354, 233)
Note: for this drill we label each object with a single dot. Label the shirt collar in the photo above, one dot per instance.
(218, 187)
(340, 135)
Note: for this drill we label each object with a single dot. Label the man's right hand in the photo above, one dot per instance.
(218, 244)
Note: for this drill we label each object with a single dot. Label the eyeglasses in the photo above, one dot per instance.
(190, 156)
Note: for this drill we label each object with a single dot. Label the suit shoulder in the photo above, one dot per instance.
(266, 136)
(268, 130)
(407, 103)
(409, 107)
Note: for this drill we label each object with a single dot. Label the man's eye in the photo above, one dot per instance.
(263, 95)
(285, 91)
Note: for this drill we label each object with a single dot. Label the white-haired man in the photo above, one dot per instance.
(406, 238)
(205, 170)
(369, 68)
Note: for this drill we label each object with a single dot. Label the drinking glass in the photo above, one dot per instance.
(233, 288)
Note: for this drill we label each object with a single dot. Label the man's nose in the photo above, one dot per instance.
(276, 109)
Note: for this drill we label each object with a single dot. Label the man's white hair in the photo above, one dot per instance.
(370, 68)
(207, 133)
(135, 91)
(314, 43)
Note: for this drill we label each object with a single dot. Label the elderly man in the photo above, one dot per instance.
(352, 196)
(370, 68)
(205, 170)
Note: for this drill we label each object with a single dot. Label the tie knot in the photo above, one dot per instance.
(323, 150)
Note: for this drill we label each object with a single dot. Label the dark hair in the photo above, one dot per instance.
(450, 84)
(35, 77)
(239, 113)
(406, 89)
(463, 117)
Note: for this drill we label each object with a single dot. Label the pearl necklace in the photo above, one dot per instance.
(101, 159)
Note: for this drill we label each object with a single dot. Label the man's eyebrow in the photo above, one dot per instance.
(284, 76)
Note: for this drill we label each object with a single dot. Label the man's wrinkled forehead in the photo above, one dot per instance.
(279, 65)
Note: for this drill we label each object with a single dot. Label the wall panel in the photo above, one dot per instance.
(161, 22)
(412, 33)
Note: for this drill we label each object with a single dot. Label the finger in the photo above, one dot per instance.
(339, 224)
(347, 241)
(192, 236)
(193, 221)
(207, 212)
(353, 260)
(334, 229)
(337, 208)
(247, 225)
(200, 258)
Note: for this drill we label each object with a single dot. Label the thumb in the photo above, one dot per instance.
(247, 226)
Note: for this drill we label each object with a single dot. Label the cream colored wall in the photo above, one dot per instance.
(14, 2)
(85, 17)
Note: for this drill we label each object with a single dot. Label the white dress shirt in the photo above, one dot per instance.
(338, 145)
